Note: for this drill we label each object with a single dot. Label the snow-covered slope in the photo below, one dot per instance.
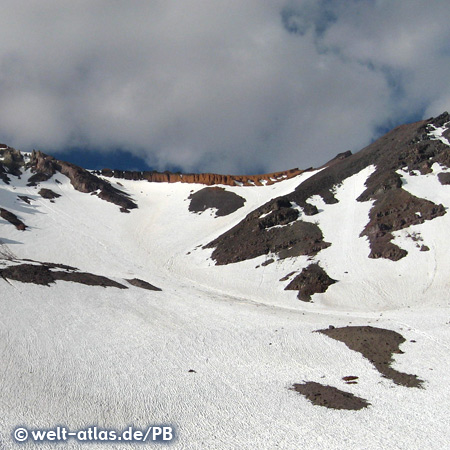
(217, 350)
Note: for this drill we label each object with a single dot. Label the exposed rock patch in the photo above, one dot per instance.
(142, 284)
(25, 199)
(444, 178)
(12, 219)
(395, 210)
(377, 345)
(4, 175)
(311, 280)
(203, 178)
(44, 275)
(48, 193)
(225, 202)
(329, 396)
(46, 166)
(12, 159)
(253, 237)
(409, 147)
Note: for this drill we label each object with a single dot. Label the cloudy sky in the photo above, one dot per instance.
(225, 86)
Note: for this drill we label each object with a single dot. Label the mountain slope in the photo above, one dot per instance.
(222, 349)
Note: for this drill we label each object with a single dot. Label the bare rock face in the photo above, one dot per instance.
(46, 166)
(143, 284)
(311, 280)
(12, 219)
(329, 396)
(394, 210)
(377, 345)
(12, 159)
(256, 237)
(225, 202)
(48, 193)
(43, 274)
(203, 178)
(407, 147)
(4, 175)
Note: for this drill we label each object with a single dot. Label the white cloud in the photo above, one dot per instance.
(218, 86)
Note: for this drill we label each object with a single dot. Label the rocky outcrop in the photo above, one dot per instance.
(408, 147)
(329, 396)
(43, 274)
(225, 202)
(11, 159)
(311, 280)
(202, 178)
(278, 232)
(46, 166)
(378, 345)
(48, 193)
(394, 210)
(12, 219)
(4, 175)
(142, 284)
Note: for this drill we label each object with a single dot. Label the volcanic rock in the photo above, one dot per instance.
(311, 280)
(225, 202)
(329, 396)
(377, 345)
(12, 219)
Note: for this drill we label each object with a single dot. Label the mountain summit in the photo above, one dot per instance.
(246, 311)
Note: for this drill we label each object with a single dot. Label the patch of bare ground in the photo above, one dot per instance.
(12, 159)
(377, 345)
(25, 199)
(408, 147)
(250, 239)
(12, 219)
(311, 280)
(4, 175)
(276, 231)
(143, 284)
(329, 396)
(48, 193)
(45, 166)
(225, 202)
(44, 275)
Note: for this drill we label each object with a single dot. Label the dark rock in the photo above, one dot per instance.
(28, 273)
(377, 345)
(142, 284)
(44, 275)
(46, 166)
(289, 275)
(249, 239)
(394, 210)
(350, 378)
(441, 120)
(225, 202)
(444, 178)
(25, 199)
(12, 219)
(48, 193)
(267, 262)
(3, 175)
(311, 280)
(329, 396)
(12, 160)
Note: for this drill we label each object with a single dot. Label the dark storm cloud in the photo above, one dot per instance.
(221, 86)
